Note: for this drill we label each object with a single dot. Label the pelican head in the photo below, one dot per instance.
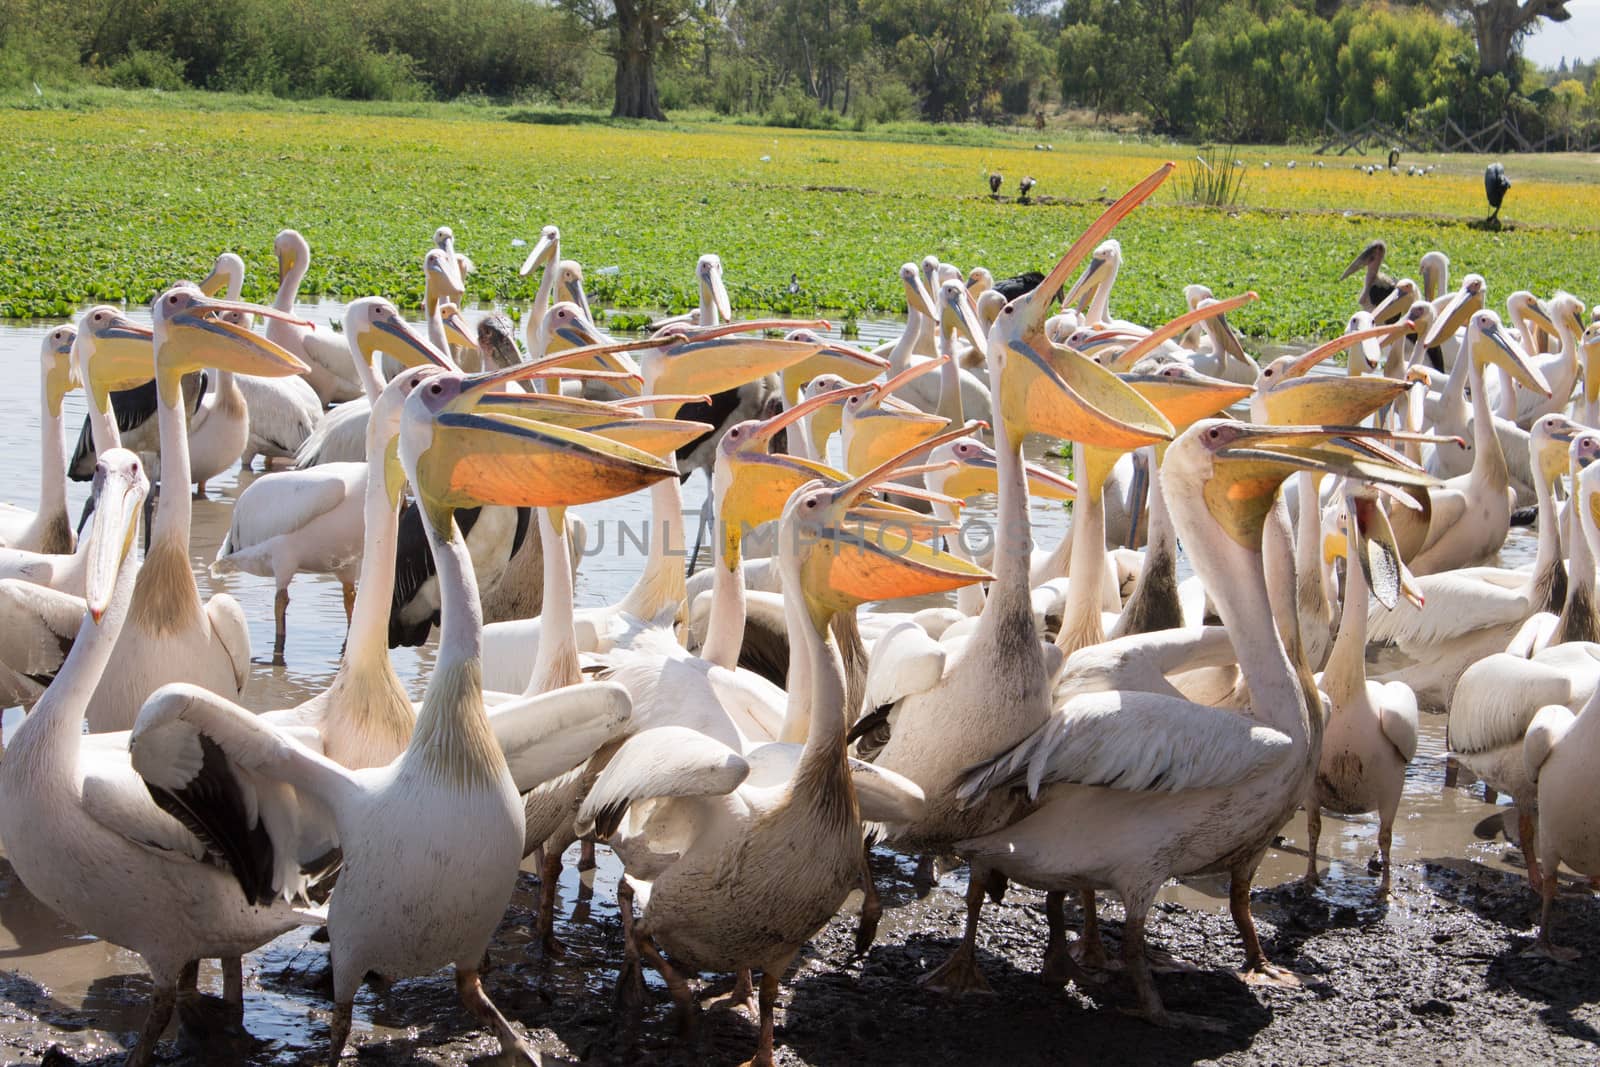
(1582, 453)
(851, 550)
(60, 370)
(120, 486)
(708, 273)
(878, 424)
(958, 315)
(444, 239)
(456, 329)
(1435, 272)
(1563, 315)
(293, 253)
(1370, 258)
(544, 253)
(1372, 545)
(967, 467)
(112, 352)
(1396, 304)
(1488, 344)
(1550, 439)
(441, 277)
(979, 281)
(917, 299)
(843, 361)
(373, 324)
(457, 458)
(568, 326)
(715, 360)
(1099, 272)
(1288, 395)
(226, 276)
(1467, 300)
(189, 334)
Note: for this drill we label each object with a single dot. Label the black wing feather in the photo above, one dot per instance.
(413, 566)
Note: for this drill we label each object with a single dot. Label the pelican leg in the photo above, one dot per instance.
(162, 1003)
(1090, 951)
(1385, 838)
(744, 990)
(682, 995)
(233, 980)
(1527, 832)
(769, 1002)
(349, 590)
(586, 853)
(280, 616)
(339, 1030)
(1258, 970)
(512, 1046)
(1543, 946)
(871, 905)
(545, 924)
(1313, 835)
(960, 973)
(200, 490)
(630, 977)
(1059, 967)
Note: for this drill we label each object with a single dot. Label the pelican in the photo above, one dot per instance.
(1129, 789)
(757, 871)
(327, 357)
(415, 893)
(996, 691)
(1470, 514)
(81, 828)
(1371, 732)
(1473, 612)
(171, 635)
(311, 521)
(1375, 286)
(48, 529)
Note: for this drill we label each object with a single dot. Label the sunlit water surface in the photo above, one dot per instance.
(80, 976)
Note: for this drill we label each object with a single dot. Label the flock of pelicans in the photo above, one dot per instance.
(733, 735)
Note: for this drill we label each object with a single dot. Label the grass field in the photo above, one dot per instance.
(121, 193)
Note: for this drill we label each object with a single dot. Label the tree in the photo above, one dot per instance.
(636, 34)
(1500, 26)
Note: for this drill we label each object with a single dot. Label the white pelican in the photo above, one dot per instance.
(326, 355)
(310, 521)
(1132, 788)
(1473, 612)
(756, 871)
(1371, 732)
(415, 893)
(48, 529)
(997, 692)
(1469, 515)
(171, 635)
(82, 829)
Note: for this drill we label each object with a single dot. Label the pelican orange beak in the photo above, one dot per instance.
(1467, 300)
(1488, 342)
(1186, 399)
(854, 554)
(1328, 349)
(544, 251)
(716, 360)
(191, 335)
(120, 487)
(462, 459)
(573, 361)
(577, 332)
(1148, 343)
(1251, 462)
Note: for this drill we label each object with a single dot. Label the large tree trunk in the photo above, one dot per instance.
(638, 40)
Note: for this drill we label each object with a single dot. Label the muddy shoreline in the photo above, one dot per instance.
(1438, 975)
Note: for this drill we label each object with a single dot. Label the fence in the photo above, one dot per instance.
(1504, 134)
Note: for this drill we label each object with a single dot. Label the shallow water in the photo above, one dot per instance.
(83, 985)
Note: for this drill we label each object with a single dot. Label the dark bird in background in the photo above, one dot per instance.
(1016, 286)
(794, 284)
(1495, 184)
(1394, 158)
(1025, 188)
(1378, 285)
(994, 183)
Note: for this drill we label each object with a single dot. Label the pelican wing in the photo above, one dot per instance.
(1397, 715)
(1454, 605)
(37, 628)
(1547, 730)
(116, 798)
(1133, 741)
(667, 761)
(259, 798)
(905, 660)
(547, 735)
(229, 627)
(281, 503)
(885, 796)
(1496, 699)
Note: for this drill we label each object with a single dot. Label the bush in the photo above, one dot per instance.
(146, 70)
(796, 110)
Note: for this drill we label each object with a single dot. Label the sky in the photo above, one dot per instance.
(1577, 38)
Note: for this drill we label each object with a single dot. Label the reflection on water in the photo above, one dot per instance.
(78, 982)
